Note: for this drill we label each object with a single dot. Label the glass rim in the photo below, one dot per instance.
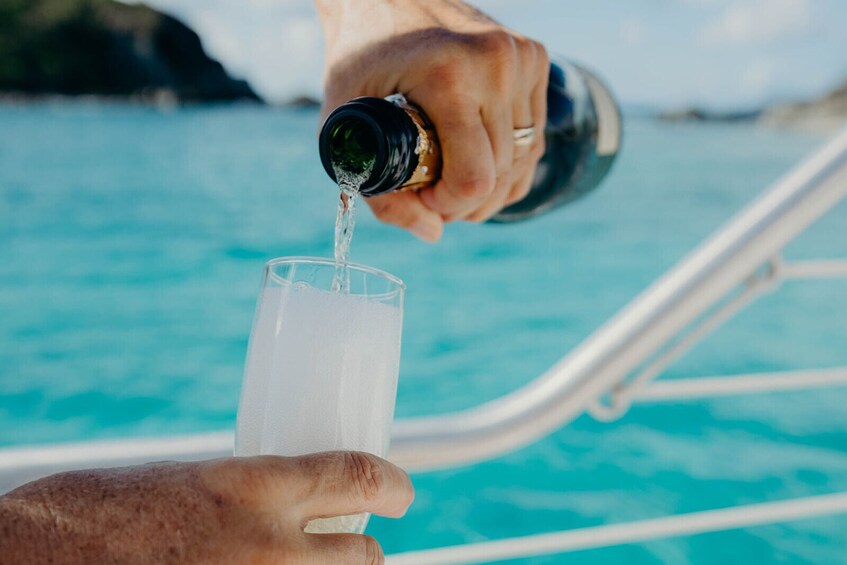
(326, 262)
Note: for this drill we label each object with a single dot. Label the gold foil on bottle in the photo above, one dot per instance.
(428, 151)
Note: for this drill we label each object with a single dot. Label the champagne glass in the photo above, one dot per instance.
(322, 366)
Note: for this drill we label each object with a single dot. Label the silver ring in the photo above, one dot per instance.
(523, 136)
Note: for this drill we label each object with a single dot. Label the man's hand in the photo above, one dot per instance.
(476, 80)
(238, 510)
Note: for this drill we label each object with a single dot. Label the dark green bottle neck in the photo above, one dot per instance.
(370, 137)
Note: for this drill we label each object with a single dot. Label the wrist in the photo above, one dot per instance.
(352, 25)
(346, 26)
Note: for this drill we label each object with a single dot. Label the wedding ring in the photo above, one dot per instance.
(524, 136)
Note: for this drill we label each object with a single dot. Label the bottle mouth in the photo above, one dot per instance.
(354, 144)
(366, 137)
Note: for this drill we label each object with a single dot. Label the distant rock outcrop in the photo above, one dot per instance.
(104, 48)
(824, 115)
(303, 101)
(701, 115)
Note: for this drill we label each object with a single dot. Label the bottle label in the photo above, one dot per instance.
(427, 149)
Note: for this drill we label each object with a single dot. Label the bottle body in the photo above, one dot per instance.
(395, 139)
(583, 137)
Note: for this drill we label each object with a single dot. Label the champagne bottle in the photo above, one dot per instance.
(392, 143)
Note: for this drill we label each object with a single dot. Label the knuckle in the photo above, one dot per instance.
(366, 474)
(526, 49)
(372, 551)
(448, 75)
(234, 481)
(452, 45)
(501, 53)
(229, 471)
(474, 187)
(499, 45)
(542, 57)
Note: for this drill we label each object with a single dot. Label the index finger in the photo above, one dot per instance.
(340, 483)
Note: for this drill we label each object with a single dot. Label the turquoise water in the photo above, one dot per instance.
(131, 247)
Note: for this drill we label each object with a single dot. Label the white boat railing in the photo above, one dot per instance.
(580, 539)
(613, 367)
(744, 252)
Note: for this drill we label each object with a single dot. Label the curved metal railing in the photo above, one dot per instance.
(745, 516)
(697, 284)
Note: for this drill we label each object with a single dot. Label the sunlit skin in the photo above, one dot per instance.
(475, 79)
(248, 510)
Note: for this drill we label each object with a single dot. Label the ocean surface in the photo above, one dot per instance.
(131, 249)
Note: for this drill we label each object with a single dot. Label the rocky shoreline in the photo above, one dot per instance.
(108, 50)
(826, 114)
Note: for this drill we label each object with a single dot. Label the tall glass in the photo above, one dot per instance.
(321, 370)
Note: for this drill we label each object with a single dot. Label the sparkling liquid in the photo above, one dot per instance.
(345, 222)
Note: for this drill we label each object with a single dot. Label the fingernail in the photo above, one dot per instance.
(427, 230)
